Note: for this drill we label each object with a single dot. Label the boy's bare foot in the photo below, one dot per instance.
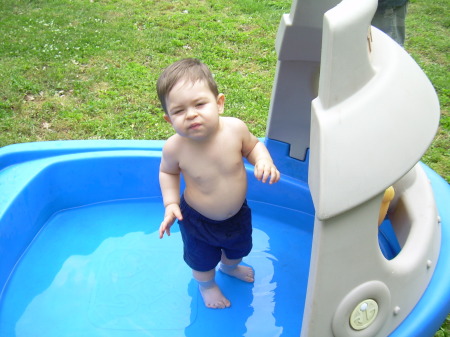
(242, 273)
(212, 295)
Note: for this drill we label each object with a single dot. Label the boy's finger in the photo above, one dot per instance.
(178, 215)
(161, 230)
(164, 227)
(266, 175)
(274, 176)
(263, 173)
(256, 173)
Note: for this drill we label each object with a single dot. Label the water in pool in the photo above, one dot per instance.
(101, 270)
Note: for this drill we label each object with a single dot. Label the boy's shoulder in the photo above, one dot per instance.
(172, 143)
(233, 122)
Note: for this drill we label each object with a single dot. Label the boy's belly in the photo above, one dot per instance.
(220, 203)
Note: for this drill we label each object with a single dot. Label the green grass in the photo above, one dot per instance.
(444, 331)
(87, 69)
(78, 69)
(73, 69)
(428, 41)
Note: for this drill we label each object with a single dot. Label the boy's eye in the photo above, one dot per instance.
(199, 105)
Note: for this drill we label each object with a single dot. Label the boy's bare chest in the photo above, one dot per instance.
(223, 159)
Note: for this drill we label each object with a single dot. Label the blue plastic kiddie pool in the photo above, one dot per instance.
(81, 255)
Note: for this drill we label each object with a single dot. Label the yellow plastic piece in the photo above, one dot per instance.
(387, 198)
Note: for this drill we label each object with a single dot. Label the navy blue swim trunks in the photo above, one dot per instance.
(204, 239)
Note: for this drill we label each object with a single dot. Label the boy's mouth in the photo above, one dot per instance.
(194, 125)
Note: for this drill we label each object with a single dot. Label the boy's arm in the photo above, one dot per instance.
(258, 155)
(264, 166)
(170, 188)
(169, 180)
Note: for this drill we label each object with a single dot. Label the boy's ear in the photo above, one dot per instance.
(167, 118)
(221, 103)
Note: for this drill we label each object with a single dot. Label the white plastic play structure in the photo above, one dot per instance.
(373, 115)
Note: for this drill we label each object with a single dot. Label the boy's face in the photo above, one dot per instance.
(193, 110)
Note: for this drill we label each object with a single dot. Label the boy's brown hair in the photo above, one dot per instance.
(188, 69)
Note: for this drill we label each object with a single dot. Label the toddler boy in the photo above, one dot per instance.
(208, 149)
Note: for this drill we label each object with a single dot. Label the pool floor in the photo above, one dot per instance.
(101, 270)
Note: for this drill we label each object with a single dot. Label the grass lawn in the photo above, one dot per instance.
(428, 42)
(86, 69)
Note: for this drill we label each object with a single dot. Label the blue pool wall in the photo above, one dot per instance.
(48, 177)
(37, 189)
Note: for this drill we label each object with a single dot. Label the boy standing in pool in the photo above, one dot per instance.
(208, 149)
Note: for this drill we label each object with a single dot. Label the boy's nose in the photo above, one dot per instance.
(192, 112)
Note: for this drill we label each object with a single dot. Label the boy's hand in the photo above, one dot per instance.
(265, 169)
(172, 213)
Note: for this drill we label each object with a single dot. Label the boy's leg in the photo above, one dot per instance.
(211, 293)
(233, 268)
